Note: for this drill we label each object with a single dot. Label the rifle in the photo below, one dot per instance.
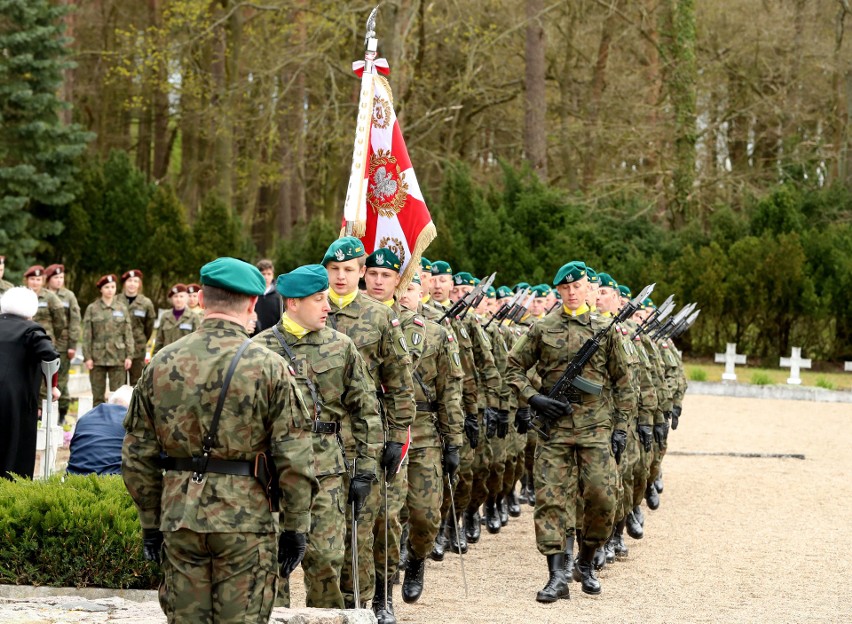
(571, 377)
(465, 302)
(656, 317)
(486, 284)
(505, 309)
(680, 316)
(523, 308)
(685, 325)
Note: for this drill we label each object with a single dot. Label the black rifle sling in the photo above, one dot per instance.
(311, 387)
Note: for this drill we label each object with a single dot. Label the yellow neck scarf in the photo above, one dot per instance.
(525, 317)
(426, 299)
(389, 303)
(293, 327)
(606, 314)
(447, 303)
(581, 310)
(341, 301)
(593, 308)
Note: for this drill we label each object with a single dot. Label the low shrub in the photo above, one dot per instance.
(822, 382)
(761, 379)
(698, 374)
(82, 531)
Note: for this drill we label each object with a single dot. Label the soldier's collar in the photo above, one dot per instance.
(221, 323)
(583, 309)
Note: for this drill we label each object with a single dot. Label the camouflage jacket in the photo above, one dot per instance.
(4, 286)
(172, 329)
(500, 350)
(72, 333)
(170, 412)
(549, 346)
(375, 330)
(658, 374)
(51, 316)
(671, 368)
(107, 336)
(677, 397)
(344, 393)
(646, 390)
(470, 385)
(142, 317)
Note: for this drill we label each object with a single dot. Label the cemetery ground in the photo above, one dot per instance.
(735, 539)
(831, 378)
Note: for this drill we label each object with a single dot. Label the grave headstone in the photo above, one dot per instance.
(795, 362)
(730, 358)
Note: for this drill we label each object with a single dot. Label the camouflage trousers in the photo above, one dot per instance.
(62, 383)
(98, 378)
(629, 460)
(218, 577)
(366, 569)
(136, 366)
(566, 470)
(387, 545)
(462, 482)
(529, 452)
(640, 475)
(659, 452)
(425, 495)
(482, 459)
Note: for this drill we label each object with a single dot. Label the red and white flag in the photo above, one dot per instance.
(384, 202)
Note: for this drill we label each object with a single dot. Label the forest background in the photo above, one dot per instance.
(705, 146)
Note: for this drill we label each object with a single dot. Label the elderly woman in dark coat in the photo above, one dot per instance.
(24, 345)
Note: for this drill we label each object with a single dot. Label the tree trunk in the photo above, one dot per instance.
(535, 109)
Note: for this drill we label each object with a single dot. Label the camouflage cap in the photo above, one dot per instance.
(233, 275)
(439, 267)
(624, 290)
(343, 249)
(592, 275)
(571, 272)
(463, 278)
(503, 292)
(425, 264)
(607, 281)
(541, 290)
(107, 279)
(304, 281)
(383, 259)
(519, 286)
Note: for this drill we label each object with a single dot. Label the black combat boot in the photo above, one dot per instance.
(658, 483)
(440, 546)
(599, 559)
(383, 616)
(609, 550)
(458, 541)
(584, 571)
(557, 585)
(619, 546)
(569, 557)
(514, 504)
(639, 515)
(412, 584)
(503, 510)
(652, 497)
(472, 529)
(531, 493)
(523, 498)
(634, 529)
(492, 517)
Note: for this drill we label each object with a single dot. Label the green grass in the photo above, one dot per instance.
(760, 379)
(698, 374)
(822, 382)
(745, 374)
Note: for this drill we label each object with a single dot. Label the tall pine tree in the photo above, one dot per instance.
(38, 153)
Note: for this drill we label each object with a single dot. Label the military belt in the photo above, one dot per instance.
(234, 467)
(324, 426)
(573, 396)
(427, 406)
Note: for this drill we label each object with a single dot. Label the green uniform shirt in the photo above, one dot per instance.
(51, 316)
(73, 330)
(4, 286)
(107, 336)
(142, 317)
(173, 329)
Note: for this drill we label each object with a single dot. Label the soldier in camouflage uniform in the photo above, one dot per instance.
(208, 518)
(142, 317)
(582, 434)
(177, 322)
(51, 313)
(192, 291)
(346, 423)
(4, 285)
(55, 275)
(107, 340)
(376, 332)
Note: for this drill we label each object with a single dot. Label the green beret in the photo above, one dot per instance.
(592, 275)
(343, 249)
(233, 275)
(383, 259)
(491, 293)
(305, 281)
(649, 304)
(607, 281)
(425, 264)
(541, 290)
(520, 286)
(625, 291)
(476, 281)
(503, 292)
(463, 278)
(556, 294)
(570, 272)
(416, 278)
(439, 267)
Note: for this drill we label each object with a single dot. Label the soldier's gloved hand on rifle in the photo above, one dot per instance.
(619, 443)
(451, 460)
(391, 459)
(359, 490)
(646, 437)
(152, 544)
(502, 423)
(490, 420)
(291, 549)
(522, 420)
(550, 408)
(471, 429)
(676, 411)
(661, 432)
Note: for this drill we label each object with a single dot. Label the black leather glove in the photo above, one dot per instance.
(667, 415)
(522, 420)
(502, 423)
(391, 459)
(490, 419)
(619, 443)
(152, 545)
(451, 460)
(471, 429)
(291, 549)
(661, 432)
(646, 437)
(676, 411)
(359, 490)
(550, 408)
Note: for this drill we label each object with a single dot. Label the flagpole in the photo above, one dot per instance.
(354, 208)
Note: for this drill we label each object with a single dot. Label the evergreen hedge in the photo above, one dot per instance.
(80, 531)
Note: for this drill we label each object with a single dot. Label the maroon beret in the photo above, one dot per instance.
(177, 288)
(34, 271)
(106, 279)
(131, 273)
(54, 269)
(193, 288)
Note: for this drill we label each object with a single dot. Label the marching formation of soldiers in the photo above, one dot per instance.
(390, 424)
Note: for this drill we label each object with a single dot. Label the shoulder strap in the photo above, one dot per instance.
(311, 387)
(210, 438)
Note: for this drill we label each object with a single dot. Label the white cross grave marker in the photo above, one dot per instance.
(794, 363)
(847, 366)
(730, 358)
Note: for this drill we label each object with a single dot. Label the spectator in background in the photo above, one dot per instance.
(177, 322)
(270, 305)
(24, 345)
(98, 436)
